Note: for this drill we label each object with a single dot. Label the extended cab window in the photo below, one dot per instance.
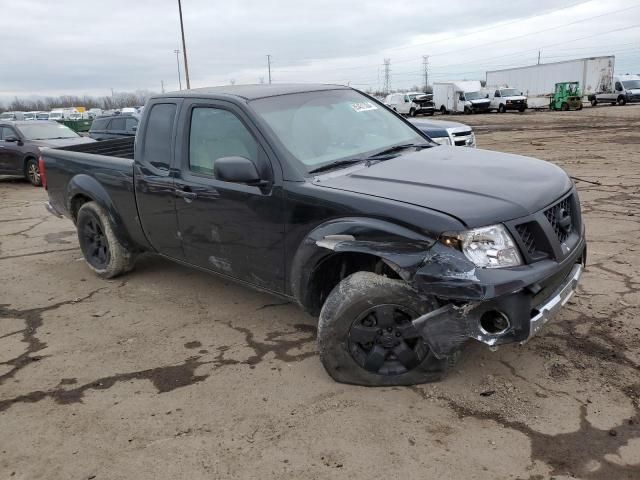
(158, 135)
(215, 134)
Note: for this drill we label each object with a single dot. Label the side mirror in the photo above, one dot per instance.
(134, 128)
(237, 170)
(11, 139)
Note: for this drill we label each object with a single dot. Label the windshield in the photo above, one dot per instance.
(509, 92)
(46, 131)
(42, 116)
(29, 116)
(629, 84)
(55, 115)
(318, 128)
(473, 95)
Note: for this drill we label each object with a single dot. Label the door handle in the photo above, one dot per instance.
(187, 195)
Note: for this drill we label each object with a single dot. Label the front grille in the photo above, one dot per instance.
(550, 233)
(526, 235)
(560, 218)
(462, 134)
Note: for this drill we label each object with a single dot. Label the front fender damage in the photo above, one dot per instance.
(435, 270)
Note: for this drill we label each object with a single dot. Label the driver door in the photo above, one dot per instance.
(231, 228)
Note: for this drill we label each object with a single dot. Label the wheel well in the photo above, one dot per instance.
(76, 203)
(26, 160)
(334, 268)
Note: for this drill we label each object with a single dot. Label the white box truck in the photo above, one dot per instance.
(538, 82)
(464, 96)
(622, 89)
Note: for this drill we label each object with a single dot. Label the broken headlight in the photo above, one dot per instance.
(487, 247)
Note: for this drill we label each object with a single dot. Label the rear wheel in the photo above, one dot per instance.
(102, 250)
(32, 172)
(594, 102)
(365, 334)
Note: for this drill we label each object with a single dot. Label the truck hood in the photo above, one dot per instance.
(514, 97)
(480, 101)
(61, 142)
(478, 187)
(437, 128)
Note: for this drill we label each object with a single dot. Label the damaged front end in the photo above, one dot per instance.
(502, 295)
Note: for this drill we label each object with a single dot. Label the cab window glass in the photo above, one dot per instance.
(158, 135)
(216, 134)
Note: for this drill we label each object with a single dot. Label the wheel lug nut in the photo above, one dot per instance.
(379, 332)
(397, 334)
(389, 329)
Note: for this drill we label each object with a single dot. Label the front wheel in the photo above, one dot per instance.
(102, 250)
(622, 101)
(564, 107)
(443, 110)
(412, 112)
(594, 102)
(32, 172)
(365, 334)
(501, 108)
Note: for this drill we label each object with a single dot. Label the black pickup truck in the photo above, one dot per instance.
(322, 195)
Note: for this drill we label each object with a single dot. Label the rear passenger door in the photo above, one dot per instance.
(231, 228)
(154, 178)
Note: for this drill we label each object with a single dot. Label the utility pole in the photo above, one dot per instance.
(162, 85)
(539, 53)
(184, 48)
(425, 64)
(387, 75)
(269, 67)
(177, 52)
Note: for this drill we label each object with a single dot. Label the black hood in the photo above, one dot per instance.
(478, 187)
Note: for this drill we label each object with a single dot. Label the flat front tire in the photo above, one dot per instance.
(365, 335)
(102, 250)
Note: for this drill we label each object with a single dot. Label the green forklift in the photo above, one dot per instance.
(567, 96)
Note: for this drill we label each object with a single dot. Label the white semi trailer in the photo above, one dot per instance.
(538, 82)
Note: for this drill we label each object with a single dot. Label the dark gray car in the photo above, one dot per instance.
(22, 142)
(117, 126)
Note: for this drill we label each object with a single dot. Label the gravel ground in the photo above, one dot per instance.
(172, 373)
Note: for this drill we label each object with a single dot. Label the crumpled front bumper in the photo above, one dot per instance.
(527, 297)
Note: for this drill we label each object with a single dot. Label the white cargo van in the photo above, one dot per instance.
(460, 97)
(626, 88)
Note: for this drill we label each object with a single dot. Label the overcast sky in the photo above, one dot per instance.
(54, 47)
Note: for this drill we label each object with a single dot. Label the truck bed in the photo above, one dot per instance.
(100, 171)
(119, 148)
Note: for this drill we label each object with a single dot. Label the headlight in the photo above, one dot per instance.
(488, 247)
(471, 142)
(442, 140)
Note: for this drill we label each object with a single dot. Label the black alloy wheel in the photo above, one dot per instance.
(383, 340)
(95, 243)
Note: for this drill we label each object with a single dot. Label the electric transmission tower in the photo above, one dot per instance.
(425, 64)
(387, 75)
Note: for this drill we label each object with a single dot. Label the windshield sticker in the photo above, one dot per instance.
(363, 107)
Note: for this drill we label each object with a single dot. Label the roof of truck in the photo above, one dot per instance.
(252, 92)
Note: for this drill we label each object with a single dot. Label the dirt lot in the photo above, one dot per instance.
(171, 373)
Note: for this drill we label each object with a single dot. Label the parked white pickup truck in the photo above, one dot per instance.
(503, 99)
